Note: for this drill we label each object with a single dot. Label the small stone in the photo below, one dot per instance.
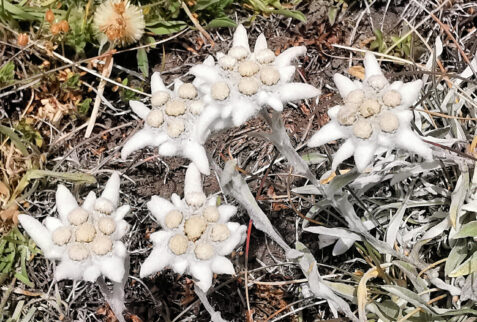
(155, 118)
(265, 56)
(173, 219)
(392, 98)
(248, 68)
(369, 107)
(187, 91)
(159, 98)
(388, 122)
(78, 252)
(219, 232)
(362, 129)
(227, 62)
(269, 76)
(101, 245)
(78, 216)
(178, 244)
(85, 233)
(175, 107)
(211, 214)
(347, 115)
(106, 225)
(104, 206)
(248, 86)
(175, 127)
(194, 227)
(220, 91)
(204, 251)
(238, 52)
(61, 235)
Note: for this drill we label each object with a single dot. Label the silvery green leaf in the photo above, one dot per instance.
(466, 268)
(412, 274)
(467, 230)
(458, 253)
(409, 296)
(388, 311)
(458, 196)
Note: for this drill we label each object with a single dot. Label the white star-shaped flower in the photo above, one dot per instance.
(171, 124)
(86, 239)
(196, 234)
(375, 117)
(241, 82)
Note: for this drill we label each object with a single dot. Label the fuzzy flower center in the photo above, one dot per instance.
(175, 107)
(196, 107)
(269, 76)
(220, 91)
(61, 236)
(392, 98)
(362, 129)
(104, 206)
(178, 244)
(248, 86)
(187, 91)
(369, 107)
(106, 225)
(85, 233)
(204, 251)
(101, 245)
(388, 122)
(355, 97)
(265, 56)
(211, 214)
(194, 227)
(227, 62)
(155, 118)
(173, 219)
(175, 127)
(219, 232)
(378, 82)
(248, 68)
(347, 115)
(78, 216)
(159, 98)
(238, 52)
(78, 252)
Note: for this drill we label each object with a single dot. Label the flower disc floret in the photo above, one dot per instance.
(388, 122)
(85, 233)
(362, 129)
(355, 97)
(238, 52)
(204, 251)
(248, 68)
(175, 127)
(195, 199)
(187, 91)
(178, 244)
(211, 214)
(347, 115)
(61, 236)
(78, 216)
(194, 227)
(248, 86)
(196, 107)
(219, 232)
(104, 206)
(269, 76)
(101, 245)
(265, 56)
(175, 107)
(78, 252)
(392, 98)
(378, 82)
(106, 225)
(369, 107)
(173, 219)
(159, 98)
(155, 118)
(220, 91)
(227, 62)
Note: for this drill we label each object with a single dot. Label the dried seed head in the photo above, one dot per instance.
(85, 233)
(248, 86)
(49, 16)
(178, 244)
(204, 251)
(347, 115)
(265, 56)
(388, 122)
(61, 236)
(269, 76)
(55, 29)
(175, 127)
(175, 107)
(377, 82)
(369, 107)
(194, 227)
(104, 206)
(195, 199)
(227, 62)
(173, 219)
(355, 97)
(211, 214)
(155, 118)
(196, 107)
(78, 252)
(187, 91)
(392, 98)
(220, 91)
(219, 232)
(101, 245)
(64, 26)
(22, 39)
(78, 216)
(362, 129)
(238, 52)
(106, 225)
(248, 68)
(159, 98)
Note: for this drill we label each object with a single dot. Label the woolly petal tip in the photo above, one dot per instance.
(342, 246)
(65, 202)
(193, 182)
(112, 267)
(297, 91)
(203, 274)
(205, 72)
(88, 203)
(209, 61)
(344, 152)
(140, 140)
(371, 66)
(330, 132)
(344, 84)
(155, 262)
(159, 207)
(196, 153)
(410, 92)
(260, 43)
(242, 110)
(410, 141)
(363, 155)
(226, 212)
(222, 265)
(111, 189)
(139, 108)
(68, 269)
(288, 55)
(37, 232)
(156, 83)
(241, 37)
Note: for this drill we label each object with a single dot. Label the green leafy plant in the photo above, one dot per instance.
(382, 43)
(7, 73)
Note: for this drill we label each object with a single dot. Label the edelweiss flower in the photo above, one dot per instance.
(375, 117)
(171, 123)
(84, 239)
(196, 234)
(243, 81)
(121, 22)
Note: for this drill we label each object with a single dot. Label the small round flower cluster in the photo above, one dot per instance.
(87, 233)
